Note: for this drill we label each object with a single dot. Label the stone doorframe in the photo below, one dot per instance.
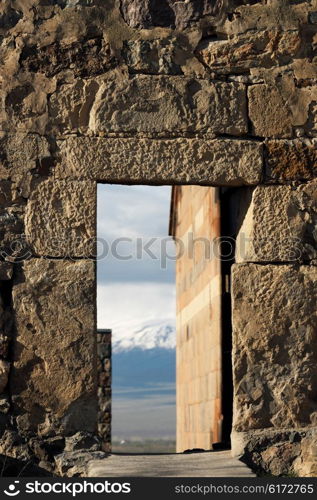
(52, 383)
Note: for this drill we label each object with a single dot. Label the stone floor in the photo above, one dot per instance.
(206, 464)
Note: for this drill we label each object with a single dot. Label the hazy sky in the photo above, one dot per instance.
(137, 288)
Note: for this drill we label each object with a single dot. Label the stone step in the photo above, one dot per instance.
(205, 464)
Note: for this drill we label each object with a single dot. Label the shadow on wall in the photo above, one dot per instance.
(144, 14)
(12, 467)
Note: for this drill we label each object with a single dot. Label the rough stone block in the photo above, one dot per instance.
(6, 271)
(274, 346)
(154, 56)
(75, 463)
(150, 105)
(70, 106)
(82, 441)
(53, 383)
(23, 159)
(279, 225)
(4, 374)
(6, 197)
(262, 49)
(24, 103)
(21, 154)
(291, 160)
(218, 162)
(313, 17)
(60, 219)
(254, 16)
(275, 110)
(166, 13)
(12, 241)
(278, 452)
(86, 58)
(4, 405)
(4, 341)
(268, 113)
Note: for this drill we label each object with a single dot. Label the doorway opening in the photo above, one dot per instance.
(137, 299)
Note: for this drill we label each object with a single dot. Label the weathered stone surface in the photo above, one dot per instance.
(305, 464)
(6, 197)
(6, 321)
(53, 382)
(198, 464)
(290, 452)
(280, 225)
(275, 110)
(21, 155)
(274, 346)
(144, 14)
(4, 374)
(179, 14)
(158, 56)
(82, 441)
(166, 13)
(53, 445)
(12, 445)
(4, 405)
(13, 246)
(150, 105)
(254, 15)
(204, 106)
(75, 463)
(60, 219)
(9, 17)
(6, 271)
(89, 58)
(221, 162)
(45, 449)
(291, 160)
(24, 104)
(104, 368)
(70, 107)
(269, 115)
(4, 343)
(21, 467)
(262, 49)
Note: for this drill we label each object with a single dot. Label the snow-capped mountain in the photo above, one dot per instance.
(144, 335)
(143, 353)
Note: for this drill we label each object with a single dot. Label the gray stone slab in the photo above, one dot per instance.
(221, 162)
(206, 464)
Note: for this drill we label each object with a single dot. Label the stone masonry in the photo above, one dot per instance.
(208, 92)
(104, 387)
(195, 214)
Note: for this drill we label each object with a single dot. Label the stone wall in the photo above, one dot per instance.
(274, 359)
(104, 388)
(194, 92)
(198, 307)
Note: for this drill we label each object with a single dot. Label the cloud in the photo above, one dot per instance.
(135, 290)
(134, 212)
(134, 303)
